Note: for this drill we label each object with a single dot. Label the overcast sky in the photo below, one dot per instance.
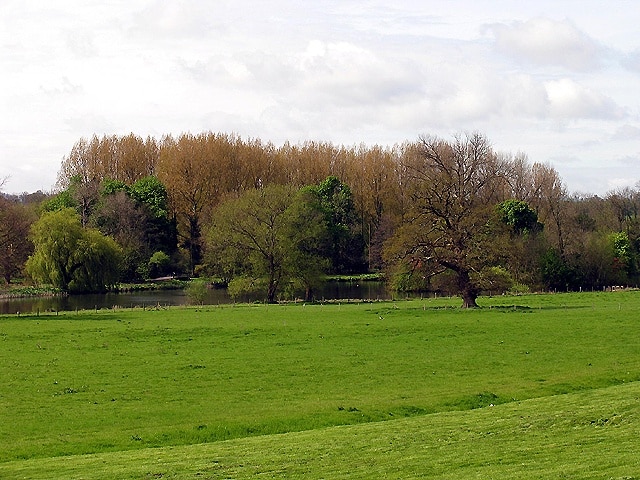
(556, 79)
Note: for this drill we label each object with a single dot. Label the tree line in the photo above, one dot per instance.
(448, 215)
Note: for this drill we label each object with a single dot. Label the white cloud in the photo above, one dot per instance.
(345, 74)
(627, 132)
(617, 183)
(170, 19)
(569, 100)
(632, 60)
(543, 41)
(524, 96)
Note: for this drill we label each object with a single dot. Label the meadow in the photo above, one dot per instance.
(540, 386)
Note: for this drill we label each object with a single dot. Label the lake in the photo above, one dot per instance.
(371, 290)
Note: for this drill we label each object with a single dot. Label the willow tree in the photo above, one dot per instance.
(454, 188)
(71, 257)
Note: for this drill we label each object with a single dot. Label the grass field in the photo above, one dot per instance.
(366, 390)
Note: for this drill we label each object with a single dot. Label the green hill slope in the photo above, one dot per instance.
(592, 434)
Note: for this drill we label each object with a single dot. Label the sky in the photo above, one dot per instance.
(558, 80)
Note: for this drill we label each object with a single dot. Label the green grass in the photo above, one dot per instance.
(233, 392)
(579, 436)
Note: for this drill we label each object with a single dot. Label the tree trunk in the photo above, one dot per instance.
(468, 291)
(194, 242)
(308, 294)
(271, 292)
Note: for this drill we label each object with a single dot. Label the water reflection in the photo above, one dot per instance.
(331, 291)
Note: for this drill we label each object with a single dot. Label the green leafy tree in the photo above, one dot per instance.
(197, 291)
(520, 241)
(152, 193)
(160, 230)
(159, 264)
(343, 245)
(252, 230)
(623, 255)
(308, 232)
(266, 239)
(64, 199)
(519, 216)
(137, 218)
(557, 273)
(110, 187)
(71, 257)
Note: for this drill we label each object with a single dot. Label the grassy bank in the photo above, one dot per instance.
(586, 435)
(133, 381)
(22, 291)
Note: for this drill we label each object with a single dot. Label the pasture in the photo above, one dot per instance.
(531, 386)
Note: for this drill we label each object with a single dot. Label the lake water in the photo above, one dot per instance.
(331, 291)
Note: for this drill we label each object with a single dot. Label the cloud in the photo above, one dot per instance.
(627, 132)
(542, 41)
(632, 60)
(347, 74)
(174, 19)
(618, 183)
(569, 100)
(81, 43)
(88, 123)
(62, 87)
(524, 96)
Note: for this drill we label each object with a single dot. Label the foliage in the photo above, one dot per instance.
(267, 237)
(120, 217)
(343, 246)
(408, 277)
(493, 280)
(111, 187)
(60, 201)
(252, 230)
(136, 217)
(72, 257)
(623, 256)
(244, 285)
(197, 291)
(158, 195)
(159, 264)
(448, 228)
(519, 216)
(556, 272)
(151, 192)
(30, 291)
(15, 222)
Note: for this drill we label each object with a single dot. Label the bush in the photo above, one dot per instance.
(159, 264)
(197, 291)
(245, 286)
(493, 280)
